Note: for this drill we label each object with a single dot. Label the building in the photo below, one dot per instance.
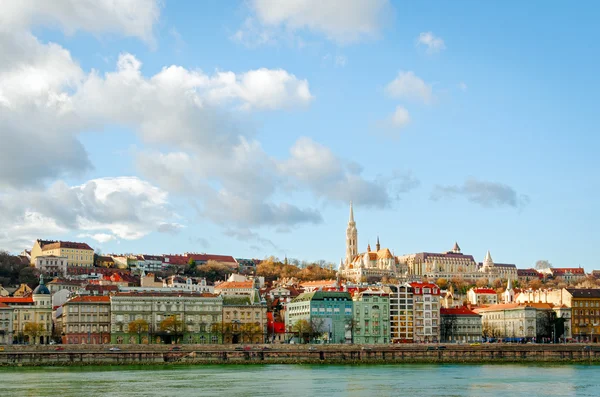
(482, 296)
(235, 288)
(426, 303)
(327, 316)
(169, 317)
(522, 321)
(6, 324)
(460, 325)
(367, 265)
(571, 275)
(188, 284)
(503, 271)
(59, 284)
(446, 265)
(585, 314)
(50, 265)
(401, 313)
(77, 254)
(371, 317)
(526, 275)
(244, 319)
(86, 320)
(32, 319)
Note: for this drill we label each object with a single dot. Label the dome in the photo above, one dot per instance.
(41, 289)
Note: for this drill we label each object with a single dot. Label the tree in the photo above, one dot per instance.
(497, 283)
(172, 325)
(535, 284)
(33, 330)
(138, 327)
(543, 264)
(448, 327)
(482, 282)
(442, 283)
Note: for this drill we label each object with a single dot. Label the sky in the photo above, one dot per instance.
(247, 127)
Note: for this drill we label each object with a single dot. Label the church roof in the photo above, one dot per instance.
(456, 247)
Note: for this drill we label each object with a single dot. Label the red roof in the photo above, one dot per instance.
(3, 305)
(459, 311)
(66, 244)
(235, 284)
(434, 288)
(12, 299)
(565, 270)
(209, 257)
(102, 298)
(179, 294)
(484, 291)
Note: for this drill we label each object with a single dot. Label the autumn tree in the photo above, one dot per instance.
(138, 327)
(33, 330)
(482, 282)
(211, 271)
(442, 283)
(535, 284)
(172, 325)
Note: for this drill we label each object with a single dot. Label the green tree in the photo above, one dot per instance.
(138, 327)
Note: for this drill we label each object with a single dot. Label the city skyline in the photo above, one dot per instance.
(247, 128)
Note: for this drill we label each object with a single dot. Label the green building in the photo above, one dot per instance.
(166, 317)
(371, 323)
(320, 317)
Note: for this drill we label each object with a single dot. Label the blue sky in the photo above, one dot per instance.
(245, 128)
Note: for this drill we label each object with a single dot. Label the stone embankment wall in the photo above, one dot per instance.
(293, 354)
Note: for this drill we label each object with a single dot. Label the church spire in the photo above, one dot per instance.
(351, 238)
(488, 257)
(378, 246)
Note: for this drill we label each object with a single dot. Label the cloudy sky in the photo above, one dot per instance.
(245, 128)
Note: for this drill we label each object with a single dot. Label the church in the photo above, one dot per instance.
(369, 265)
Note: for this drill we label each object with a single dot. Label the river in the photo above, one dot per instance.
(303, 380)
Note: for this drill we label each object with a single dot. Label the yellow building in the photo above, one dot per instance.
(77, 254)
(32, 321)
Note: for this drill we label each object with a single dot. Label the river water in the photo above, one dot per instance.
(303, 380)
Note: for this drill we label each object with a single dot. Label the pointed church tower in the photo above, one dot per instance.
(351, 238)
(509, 294)
(488, 263)
(378, 246)
(456, 248)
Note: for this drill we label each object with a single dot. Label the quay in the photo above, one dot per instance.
(294, 354)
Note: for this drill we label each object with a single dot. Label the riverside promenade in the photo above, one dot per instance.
(295, 354)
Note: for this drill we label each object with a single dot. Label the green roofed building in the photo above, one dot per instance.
(321, 317)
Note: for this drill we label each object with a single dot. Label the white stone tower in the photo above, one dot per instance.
(488, 263)
(351, 238)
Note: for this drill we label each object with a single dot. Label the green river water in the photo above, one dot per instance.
(303, 380)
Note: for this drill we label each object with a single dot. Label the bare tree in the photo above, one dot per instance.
(543, 264)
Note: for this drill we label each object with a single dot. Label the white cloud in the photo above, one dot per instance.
(128, 17)
(103, 209)
(315, 167)
(433, 43)
(341, 21)
(487, 194)
(408, 86)
(400, 118)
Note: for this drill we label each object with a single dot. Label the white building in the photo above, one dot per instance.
(51, 265)
(188, 284)
(6, 324)
(482, 296)
(370, 264)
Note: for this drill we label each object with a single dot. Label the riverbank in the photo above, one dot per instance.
(68, 355)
